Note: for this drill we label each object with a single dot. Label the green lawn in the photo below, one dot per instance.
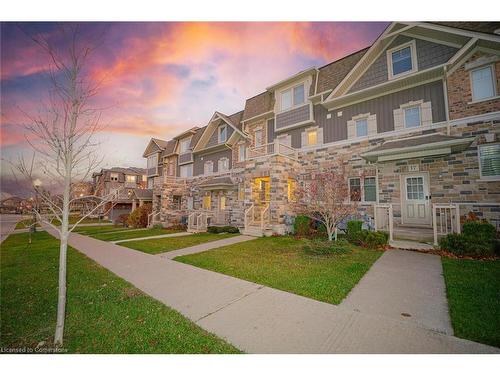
(23, 224)
(73, 219)
(279, 262)
(473, 289)
(95, 229)
(132, 233)
(105, 314)
(162, 245)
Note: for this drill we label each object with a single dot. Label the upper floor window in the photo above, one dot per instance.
(489, 158)
(483, 83)
(402, 60)
(150, 183)
(242, 152)
(113, 177)
(184, 145)
(130, 178)
(258, 137)
(186, 170)
(208, 168)
(222, 133)
(412, 117)
(292, 97)
(152, 161)
(223, 164)
(362, 127)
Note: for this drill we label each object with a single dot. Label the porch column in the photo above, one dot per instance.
(134, 204)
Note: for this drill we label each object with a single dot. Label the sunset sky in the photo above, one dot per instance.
(163, 78)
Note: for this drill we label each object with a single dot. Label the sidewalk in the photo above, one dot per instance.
(258, 319)
(180, 234)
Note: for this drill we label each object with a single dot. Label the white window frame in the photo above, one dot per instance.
(485, 178)
(261, 137)
(113, 176)
(184, 141)
(308, 132)
(291, 90)
(493, 78)
(364, 118)
(152, 161)
(209, 171)
(220, 164)
(130, 178)
(188, 167)
(419, 106)
(362, 187)
(414, 61)
(242, 152)
(219, 129)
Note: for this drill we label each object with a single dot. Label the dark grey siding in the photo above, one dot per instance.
(429, 54)
(185, 158)
(292, 117)
(270, 130)
(214, 138)
(335, 128)
(200, 159)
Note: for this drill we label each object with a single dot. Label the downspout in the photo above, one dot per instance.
(446, 104)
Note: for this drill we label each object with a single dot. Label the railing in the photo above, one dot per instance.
(269, 149)
(265, 216)
(249, 218)
(151, 217)
(192, 221)
(202, 221)
(384, 218)
(445, 219)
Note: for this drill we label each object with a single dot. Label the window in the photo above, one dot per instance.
(185, 145)
(144, 178)
(222, 133)
(258, 137)
(152, 161)
(362, 127)
(113, 177)
(489, 158)
(402, 60)
(208, 167)
(222, 202)
(130, 178)
(207, 202)
(412, 117)
(150, 183)
(483, 84)
(415, 188)
(242, 153)
(241, 191)
(355, 189)
(312, 137)
(186, 170)
(292, 97)
(223, 164)
(370, 189)
(291, 189)
(176, 202)
(190, 203)
(171, 169)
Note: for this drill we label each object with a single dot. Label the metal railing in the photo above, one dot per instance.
(445, 219)
(265, 216)
(249, 216)
(384, 218)
(269, 149)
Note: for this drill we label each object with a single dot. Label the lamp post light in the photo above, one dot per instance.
(36, 184)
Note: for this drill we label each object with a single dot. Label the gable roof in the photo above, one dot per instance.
(258, 105)
(169, 147)
(196, 136)
(154, 145)
(481, 27)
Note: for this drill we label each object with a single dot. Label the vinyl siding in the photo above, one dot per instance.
(214, 138)
(429, 54)
(198, 167)
(294, 116)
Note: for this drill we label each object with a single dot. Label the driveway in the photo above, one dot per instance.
(259, 319)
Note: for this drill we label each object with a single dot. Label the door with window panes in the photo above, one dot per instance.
(415, 199)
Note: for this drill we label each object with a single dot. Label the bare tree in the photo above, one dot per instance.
(62, 136)
(325, 198)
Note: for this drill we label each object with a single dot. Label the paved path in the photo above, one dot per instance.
(410, 245)
(205, 246)
(407, 286)
(258, 319)
(180, 234)
(7, 224)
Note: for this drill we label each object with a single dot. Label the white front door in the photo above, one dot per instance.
(415, 199)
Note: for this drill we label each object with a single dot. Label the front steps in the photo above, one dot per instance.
(257, 231)
(421, 234)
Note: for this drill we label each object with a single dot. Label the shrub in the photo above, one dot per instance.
(466, 244)
(157, 226)
(483, 231)
(302, 226)
(178, 226)
(319, 248)
(139, 217)
(354, 231)
(122, 219)
(224, 229)
(374, 240)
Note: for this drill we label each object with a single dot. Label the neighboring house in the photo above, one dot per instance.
(414, 118)
(15, 205)
(126, 181)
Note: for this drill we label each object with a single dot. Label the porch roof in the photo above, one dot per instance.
(217, 183)
(143, 194)
(421, 146)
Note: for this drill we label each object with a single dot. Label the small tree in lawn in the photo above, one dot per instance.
(62, 138)
(324, 197)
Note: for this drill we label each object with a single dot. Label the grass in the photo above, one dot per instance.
(473, 290)
(132, 233)
(162, 245)
(74, 219)
(96, 229)
(23, 224)
(105, 314)
(280, 262)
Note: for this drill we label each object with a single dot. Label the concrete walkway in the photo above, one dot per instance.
(180, 234)
(7, 224)
(258, 319)
(410, 245)
(406, 286)
(205, 246)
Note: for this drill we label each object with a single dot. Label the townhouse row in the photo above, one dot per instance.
(414, 119)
